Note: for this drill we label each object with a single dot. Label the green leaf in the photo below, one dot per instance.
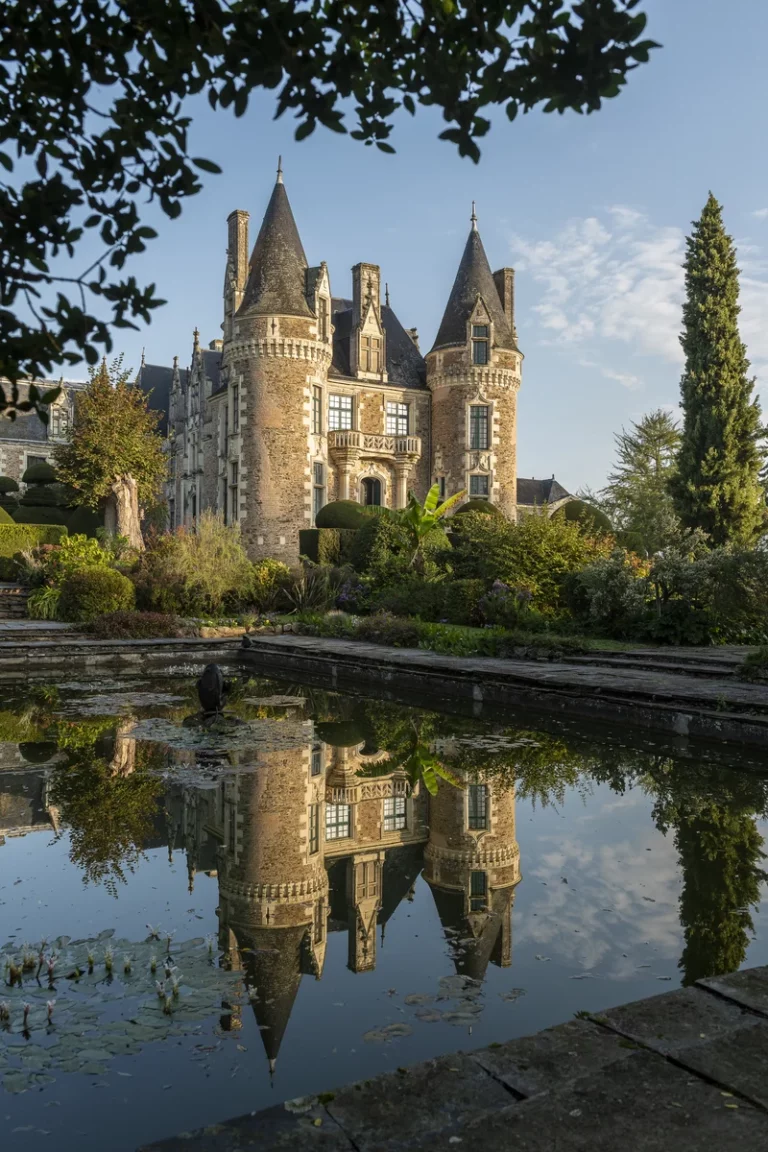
(206, 165)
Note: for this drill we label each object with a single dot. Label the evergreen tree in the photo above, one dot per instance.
(637, 497)
(717, 486)
(115, 458)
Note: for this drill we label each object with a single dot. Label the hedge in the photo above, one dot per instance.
(7, 484)
(327, 545)
(84, 522)
(478, 505)
(5, 517)
(20, 538)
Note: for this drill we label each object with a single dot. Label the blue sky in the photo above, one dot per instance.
(591, 211)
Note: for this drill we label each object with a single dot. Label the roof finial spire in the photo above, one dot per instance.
(473, 218)
(143, 358)
(279, 169)
(386, 294)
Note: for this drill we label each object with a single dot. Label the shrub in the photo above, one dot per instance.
(326, 545)
(40, 473)
(344, 514)
(268, 578)
(383, 628)
(510, 608)
(354, 595)
(610, 596)
(135, 626)
(93, 592)
(411, 597)
(536, 554)
(194, 573)
(37, 515)
(5, 518)
(17, 538)
(484, 507)
(84, 522)
(7, 485)
(754, 667)
(383, 549)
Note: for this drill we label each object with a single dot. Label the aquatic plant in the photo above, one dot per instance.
(108, 959)
(50, 1005)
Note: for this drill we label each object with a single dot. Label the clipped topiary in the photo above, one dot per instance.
(344, 514)
(41, 495)
(478, 505)
(591, 518)
(84, 522)
(40, 473)
(7, 484)
(93, 592)
(5, 517)
(37, 514)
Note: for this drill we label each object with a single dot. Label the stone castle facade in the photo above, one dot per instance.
(310, 397)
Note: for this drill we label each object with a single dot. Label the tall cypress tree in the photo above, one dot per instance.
(717, 486)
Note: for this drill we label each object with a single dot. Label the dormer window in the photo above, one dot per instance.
(370, 353)
(480, 339)
(323, 325)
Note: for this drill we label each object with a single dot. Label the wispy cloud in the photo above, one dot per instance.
(613, 284)
(761, 214)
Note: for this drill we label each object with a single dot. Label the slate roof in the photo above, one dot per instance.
(406, 367)
(473, 279)
(278, 267)
(27, 425)
(530, 492)
(155, 382)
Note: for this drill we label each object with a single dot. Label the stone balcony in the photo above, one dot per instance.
(347, 442)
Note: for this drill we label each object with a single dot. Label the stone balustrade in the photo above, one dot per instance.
(364, 443)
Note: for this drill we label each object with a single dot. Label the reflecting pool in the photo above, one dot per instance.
(199, 920)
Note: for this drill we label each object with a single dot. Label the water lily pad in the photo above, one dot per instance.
(388, 1032)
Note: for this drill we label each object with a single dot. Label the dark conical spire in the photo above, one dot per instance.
(278, 266)
(473, 279)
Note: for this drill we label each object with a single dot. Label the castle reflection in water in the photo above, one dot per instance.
(303, 846)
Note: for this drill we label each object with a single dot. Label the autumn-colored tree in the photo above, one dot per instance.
(115, 458)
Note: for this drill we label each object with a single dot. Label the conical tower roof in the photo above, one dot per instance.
(473, 279)
(277, 270)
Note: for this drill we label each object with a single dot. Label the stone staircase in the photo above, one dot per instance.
(13, 602)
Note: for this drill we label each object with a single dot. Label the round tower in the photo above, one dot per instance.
(474, 372)
(472, 865)
(273, 885)
(277, 348)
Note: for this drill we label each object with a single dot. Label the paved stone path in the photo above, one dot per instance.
(675, 700)
(683, 1072)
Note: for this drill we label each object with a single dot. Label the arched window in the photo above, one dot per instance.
(371, 491)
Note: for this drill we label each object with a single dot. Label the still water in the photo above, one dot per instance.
(207, 921)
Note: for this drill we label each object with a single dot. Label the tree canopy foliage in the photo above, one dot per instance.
(114, 433)
(93, 99)
(637, 496)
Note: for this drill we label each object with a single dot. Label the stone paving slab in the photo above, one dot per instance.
(681, 1072)
(642, 1104)
(401, 1109)
(748, 988)
(677, 1021)
(555, 1058)
(301, 1129)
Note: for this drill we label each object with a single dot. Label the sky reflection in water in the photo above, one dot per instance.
(382, 884)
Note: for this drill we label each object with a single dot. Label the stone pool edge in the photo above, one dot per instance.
(686, 1064)
(679, 705)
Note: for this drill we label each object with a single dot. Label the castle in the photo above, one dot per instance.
(310, 397)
